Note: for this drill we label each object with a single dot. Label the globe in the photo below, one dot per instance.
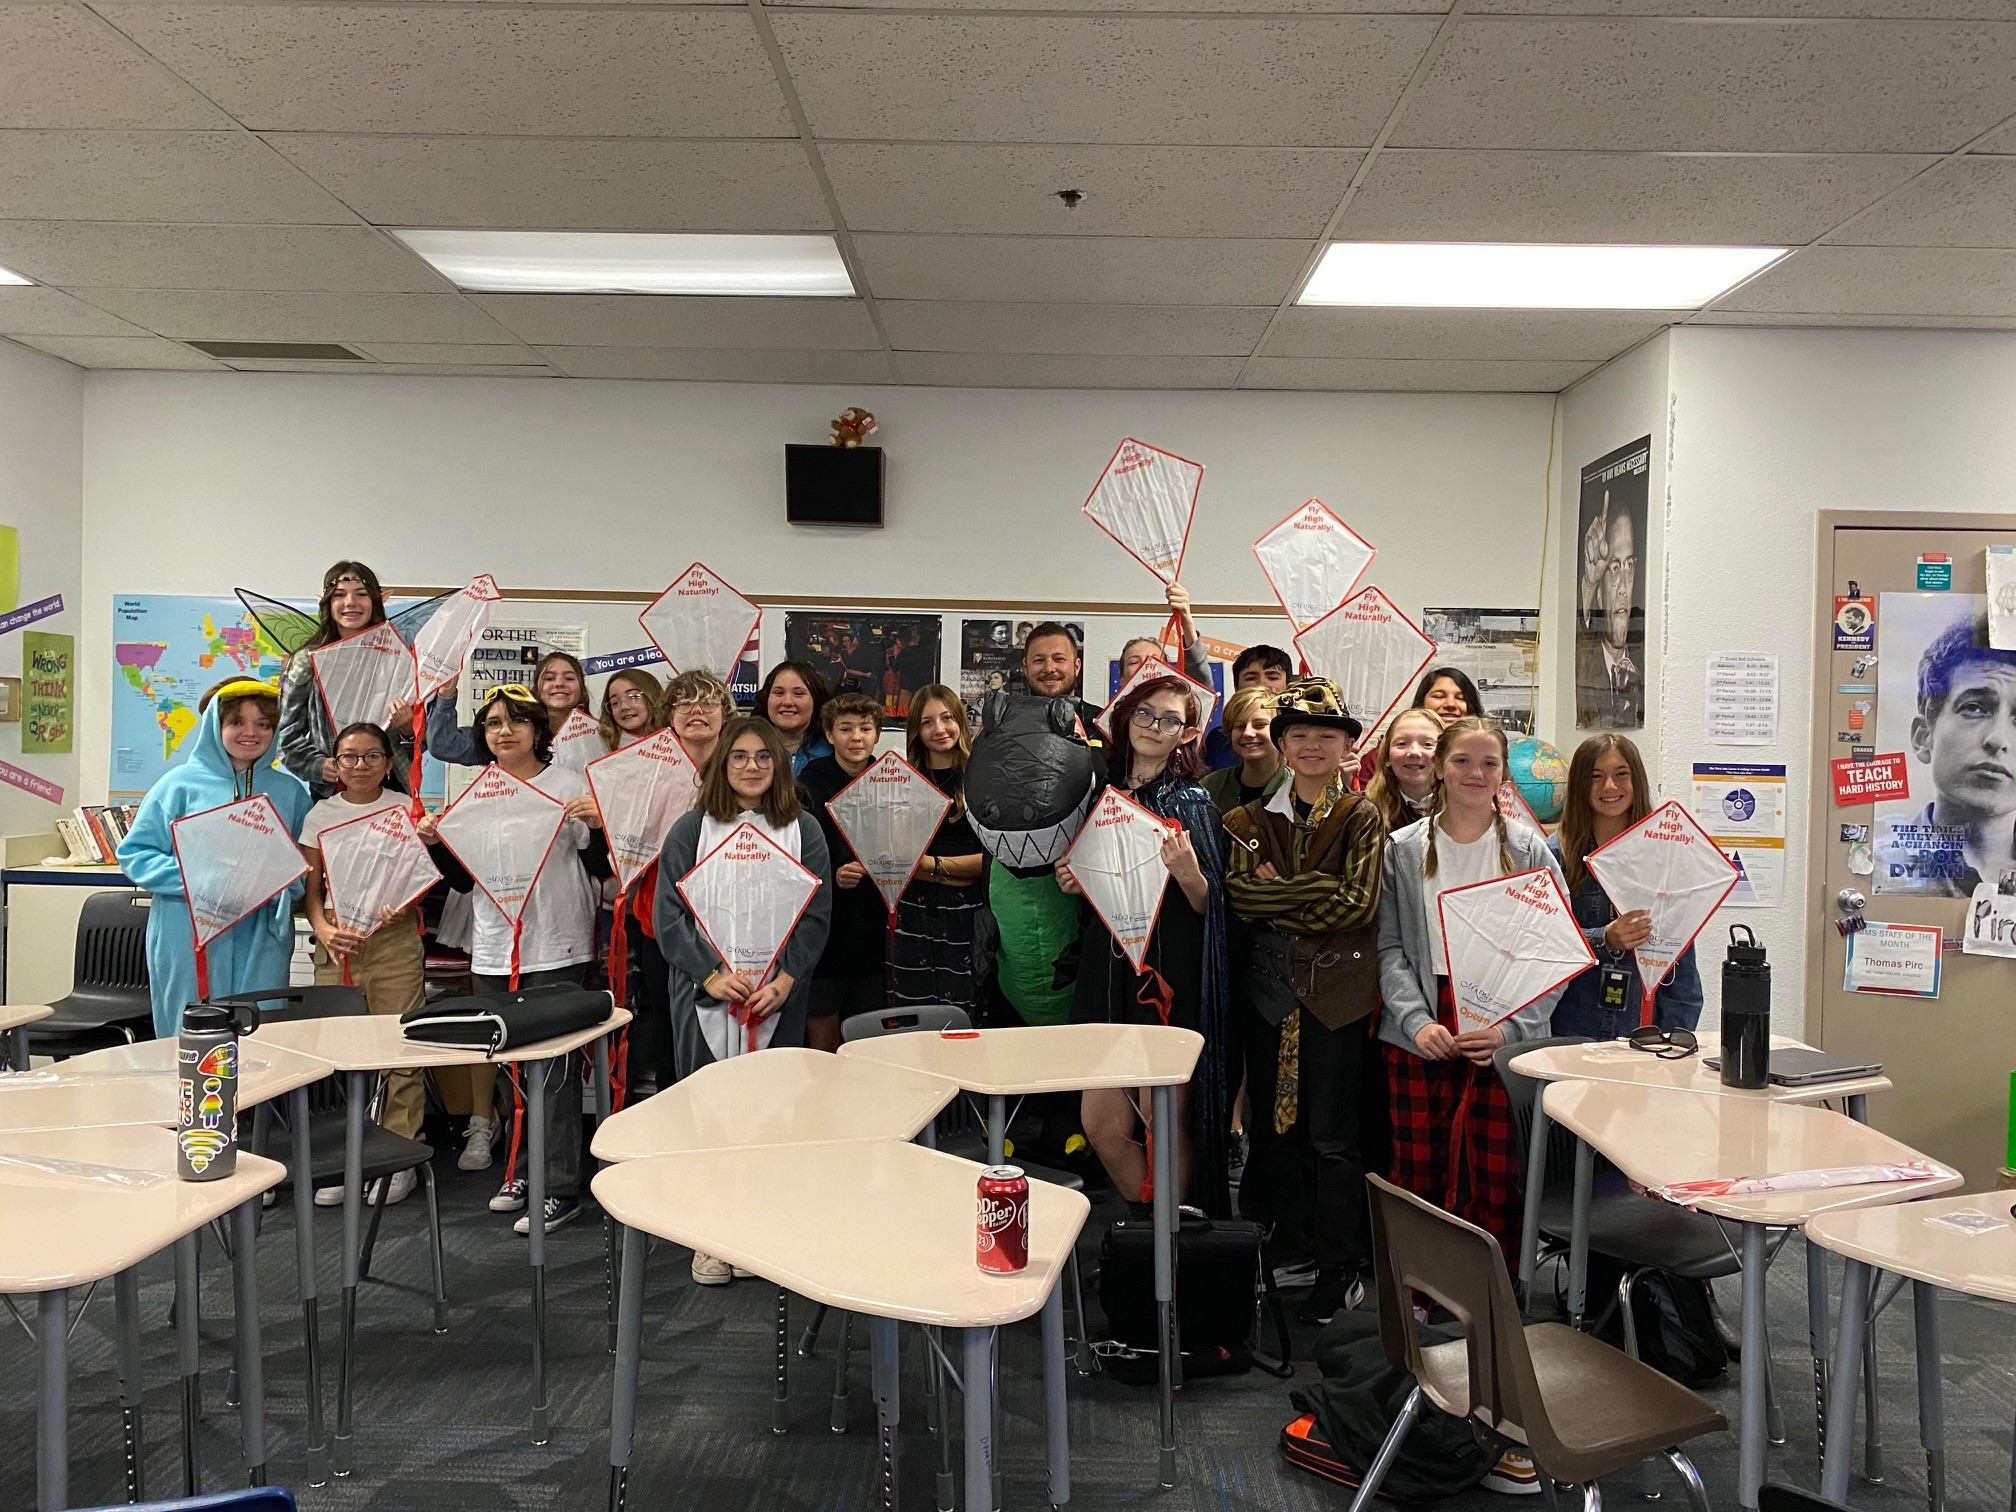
(1541, 774)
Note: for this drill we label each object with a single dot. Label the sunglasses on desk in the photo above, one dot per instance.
(1667, 1044)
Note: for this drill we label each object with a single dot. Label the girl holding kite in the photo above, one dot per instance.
(631, 708)
(1452, 1124)
(230, 757)
(1186, 981)
(932, 954)
(352, 601)
(1607, 794)
(559, 687)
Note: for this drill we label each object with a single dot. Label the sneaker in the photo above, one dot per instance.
(1293, 1275)
(560, 1211)
(740, 1274)
(711, 1270)
(399, 1189)
(510, 1197)
(329, 1196)
(476, 1154)
(1333, 1293)
(1513, 1475)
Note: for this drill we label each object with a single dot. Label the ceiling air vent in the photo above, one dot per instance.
(298, 351)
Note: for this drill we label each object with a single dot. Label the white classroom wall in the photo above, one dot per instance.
(41, 482)
(198, 483)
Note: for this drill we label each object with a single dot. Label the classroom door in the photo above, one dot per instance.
(1950, 1056)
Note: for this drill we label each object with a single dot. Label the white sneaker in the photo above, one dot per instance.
(476, 1154)
(401, 1186)
(1513, 1475)
(330, 1196)
(711, 1270)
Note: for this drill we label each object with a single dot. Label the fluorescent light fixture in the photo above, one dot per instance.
(9, 276)
(1525, 276)
(630, 262)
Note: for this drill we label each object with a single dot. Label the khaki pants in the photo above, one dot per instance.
(390, 970)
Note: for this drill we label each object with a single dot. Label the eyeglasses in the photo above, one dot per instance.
(1162, 724)
(493, 725)
(630, 698)
(757, 759)
(1667, 1044)
(686, 704)
(360, 758)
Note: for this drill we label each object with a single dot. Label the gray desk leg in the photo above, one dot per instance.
(605, 1099)
(1872, 1406)
(1578, 1234)
(1848, 1336)
(1164, 1100)
(52, 1418)
(304, 1264)
(1817, 1336)
(780, 1396)
(1536, 1179)
(245, 1317)
(941, 1407)
(132, 1380)
(18, 1044)
(1056, 1419)
(977, 1346)
(997, 1130)
(629, 1356)
(1756, 1344)
(353, 1209)
(1931, 1392)
(1857, 1107)
(187, 1301)
(535, 1224)
(888, 1401)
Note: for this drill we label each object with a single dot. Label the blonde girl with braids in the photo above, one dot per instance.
(1452, 1127)
(1403, 767)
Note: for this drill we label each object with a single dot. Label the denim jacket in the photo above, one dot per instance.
(1677, 1005)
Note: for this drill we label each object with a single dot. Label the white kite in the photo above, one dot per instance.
(1145, 500)
(1513, 806)
(1117, 860)
(376, 867)
(889, 814)
(363, 675)
(640, 790)
(502, 830)
(1509, 941)
(747, 895)
(1312, 561)
(234, 858)
(1369, 649)
(441, 654)
(1666, 865)
(700, 623)
(1151, 668)
(578, 741)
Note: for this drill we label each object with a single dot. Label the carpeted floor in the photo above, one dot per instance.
(441, 1420)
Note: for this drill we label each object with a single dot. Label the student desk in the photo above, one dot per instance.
(84, 1204)
(362, 1045)
(879, 1228)
(15, 1021)
(1658, 1136)
(1902, 1238)
(1616, 1061)
(1003, 1063)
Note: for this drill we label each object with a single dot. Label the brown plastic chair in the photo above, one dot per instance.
(1581, 1408)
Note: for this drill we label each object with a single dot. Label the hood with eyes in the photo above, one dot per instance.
(1030, 781)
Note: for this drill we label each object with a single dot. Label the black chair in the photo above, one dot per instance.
(108, 1002)
(385, 1153)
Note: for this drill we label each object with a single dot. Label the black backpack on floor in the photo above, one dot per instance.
(1221, 1288)
(1675, 1319)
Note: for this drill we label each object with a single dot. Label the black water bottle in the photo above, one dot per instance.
(1746, 1012)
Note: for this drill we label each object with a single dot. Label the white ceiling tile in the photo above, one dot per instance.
(31, 311)
(636, 320)
(61, 66)
(1311, 80)
(206, 176)
(1192, 7)
(559, 183)
(1128, 191)
(994, 370)
(699, 365)
(203, 315)
(1885, 281)
(1965, 202)
(1731, 199)
(1082, 269)
(446, 353)
(1780, 320)
(1499, 335)
(1115, 330)
(1740, 86)
(2001, 141)
(1729, 10)
(482, 69)
(123, 352)
(136, 255)
(1433, 376)
(528, 369)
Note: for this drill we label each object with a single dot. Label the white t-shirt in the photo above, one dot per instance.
(557, 927)
(331, 812)
(1456, 865)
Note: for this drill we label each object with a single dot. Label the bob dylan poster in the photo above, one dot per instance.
(886, 656)
(1609, 591)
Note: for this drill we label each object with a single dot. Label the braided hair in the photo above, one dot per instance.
(1470, 724)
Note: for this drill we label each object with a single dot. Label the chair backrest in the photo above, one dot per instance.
(1520, 1091)
(111, 949)
(286, 1005)
(910, 1020)
(1418, 1247)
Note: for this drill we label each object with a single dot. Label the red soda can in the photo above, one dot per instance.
(1002, 1238)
